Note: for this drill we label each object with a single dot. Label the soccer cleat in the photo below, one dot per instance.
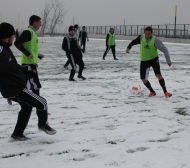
(73, 80)
(116, 59)
(82, 77)
(167, 94)
(152, 94)
(9, 101)
(19, 137)
(47, 129)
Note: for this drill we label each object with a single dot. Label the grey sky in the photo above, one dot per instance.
(101, 12)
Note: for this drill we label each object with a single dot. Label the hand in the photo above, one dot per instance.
(30, 56)
(82, 50)
(127, 50)
(169, 64)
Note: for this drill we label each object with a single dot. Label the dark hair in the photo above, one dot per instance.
(148, 29)
(76, 26)
(111, 28)
(33, 19)
(83, 26)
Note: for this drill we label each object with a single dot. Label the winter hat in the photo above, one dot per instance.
(71, 28)
(6, 30)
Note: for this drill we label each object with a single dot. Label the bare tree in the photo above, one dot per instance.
(58, 15)
(45, 16)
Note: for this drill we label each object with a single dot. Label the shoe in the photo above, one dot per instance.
(72, 80)
(65, 66)
(116, 59)
(47, 129)
(103, 58)
(152, 94)
(82, 77)
(167, 94)
(19, 137)
(9, 101)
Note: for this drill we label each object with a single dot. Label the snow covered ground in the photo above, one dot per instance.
(99, 122)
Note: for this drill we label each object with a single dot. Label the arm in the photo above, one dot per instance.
(159, 45)
(134, 42)
(24, 37)
(107, 39)
(65, 45)
(87, 36)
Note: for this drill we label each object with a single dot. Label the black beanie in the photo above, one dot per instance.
(6, 30)
(71, 28)
(76, 26)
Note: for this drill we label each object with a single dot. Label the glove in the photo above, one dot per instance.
(82, 50)
(40, 57)
(31, 74)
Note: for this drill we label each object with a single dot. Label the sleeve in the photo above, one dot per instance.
(87, 35)
(65, 45)
(134, 42)
(107, 39)
(24, 37)
(79, 34)
(159, 45)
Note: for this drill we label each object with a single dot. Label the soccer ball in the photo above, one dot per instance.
(136, 90)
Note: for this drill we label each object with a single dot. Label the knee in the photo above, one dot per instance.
(144, 81)
(159, 76)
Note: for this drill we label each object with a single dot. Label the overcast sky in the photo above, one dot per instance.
(101, 12)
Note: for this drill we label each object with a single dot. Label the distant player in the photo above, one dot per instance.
(150, 58)
(73, 51)
(83, 35)
(110, 43)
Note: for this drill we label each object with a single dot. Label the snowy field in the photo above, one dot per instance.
(99, 122)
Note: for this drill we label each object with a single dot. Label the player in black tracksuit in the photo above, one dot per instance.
(73, 51)
(13, 85)
(83, 35)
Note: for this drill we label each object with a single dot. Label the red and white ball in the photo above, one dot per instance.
(136, 90)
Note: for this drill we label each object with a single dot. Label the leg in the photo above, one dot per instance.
(144, 72)
(84, 44)
(113, 52)
(105, 53)
(73, 65)
(81, 67)
(157, 71)
(66, 64)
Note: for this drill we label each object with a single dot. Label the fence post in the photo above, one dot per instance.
(158, 30)
(125, 30)
(184, 30)
(166, 31)
(137, 30)
(105, 29)
(120, 30)
(131, 30)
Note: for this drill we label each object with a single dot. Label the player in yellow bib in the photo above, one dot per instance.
(150, 58)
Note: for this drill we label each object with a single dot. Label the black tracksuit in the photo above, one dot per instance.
(13, 85)
(83, 35)
(73, 52)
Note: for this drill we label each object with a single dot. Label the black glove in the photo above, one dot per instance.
(31, 74)
(82, 50)
(40, 57)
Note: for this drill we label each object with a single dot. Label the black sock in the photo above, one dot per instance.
(162, 84)
(148, 85)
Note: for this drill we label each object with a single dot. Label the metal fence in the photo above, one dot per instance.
(168, 31)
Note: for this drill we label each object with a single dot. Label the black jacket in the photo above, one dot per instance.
(12, 78)
(70, 45)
